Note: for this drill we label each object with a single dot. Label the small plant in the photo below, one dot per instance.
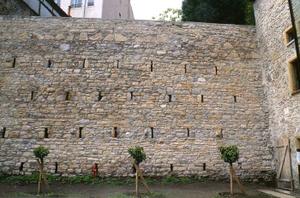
(230, 154)
(40, 153)
(138, 154)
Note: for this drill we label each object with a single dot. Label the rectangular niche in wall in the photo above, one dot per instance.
(21, 167)
(118, 63)
(56, 168)
(115, 132)
(14, 62)
(204, 166)
(80, 135)
(3, 131)
(67, 96)
(100, 96)
(131, 95)
(32, 95)
(152, 132)
(83, 63)
(151, 66)
(188, 132)
(294, 75)
(170, 98)
(234, 99)
(50, 63)
(46, 133)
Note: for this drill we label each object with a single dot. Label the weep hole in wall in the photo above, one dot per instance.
(100, 96)
(3, 131)
(50, 63)
(46, 133)
(152, 132)
(67, 96)
(14, 62)
(115, 132)
(80, 135)
(21, 167)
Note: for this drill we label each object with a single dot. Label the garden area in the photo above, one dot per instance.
(41, 184)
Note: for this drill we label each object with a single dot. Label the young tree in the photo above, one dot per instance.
(216, 11)
(40, 153)
(138, 155)
(170, 14)
(230, 154)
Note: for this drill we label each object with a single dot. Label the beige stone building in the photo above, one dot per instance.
(105, 9)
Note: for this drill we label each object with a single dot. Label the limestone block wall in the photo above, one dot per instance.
(272, 19)
(178, 90)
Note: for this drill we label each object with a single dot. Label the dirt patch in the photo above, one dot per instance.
(239, 195)
(199, 190)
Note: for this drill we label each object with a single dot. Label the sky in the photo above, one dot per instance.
(146, 9)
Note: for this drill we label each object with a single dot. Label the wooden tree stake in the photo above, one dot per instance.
(42, 177)
(138, 175)
(137, 184)
(233, 176)
(231, 180)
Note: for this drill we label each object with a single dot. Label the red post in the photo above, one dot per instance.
(95, 170)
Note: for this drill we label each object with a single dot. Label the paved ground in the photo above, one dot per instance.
(202, 190)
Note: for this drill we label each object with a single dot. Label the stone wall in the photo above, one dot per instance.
(178, 90)
(272, 18)
(14, 7)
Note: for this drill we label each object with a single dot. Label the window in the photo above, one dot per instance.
(90, 3)
(289, 35)
(294, 75)
(76, 3)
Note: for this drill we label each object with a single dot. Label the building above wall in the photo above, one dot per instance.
(45, 8)
(107, 9)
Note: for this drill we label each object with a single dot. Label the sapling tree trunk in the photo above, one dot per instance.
(137, 190)
(40, 153)
(40, 177)
(230, 154)
(231, 179)
(138, 155)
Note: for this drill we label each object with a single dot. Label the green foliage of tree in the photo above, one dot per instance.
(138, 154)
(250, 18)
(170, 14)
(41, 152)
(229, 154)
(216, 11)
